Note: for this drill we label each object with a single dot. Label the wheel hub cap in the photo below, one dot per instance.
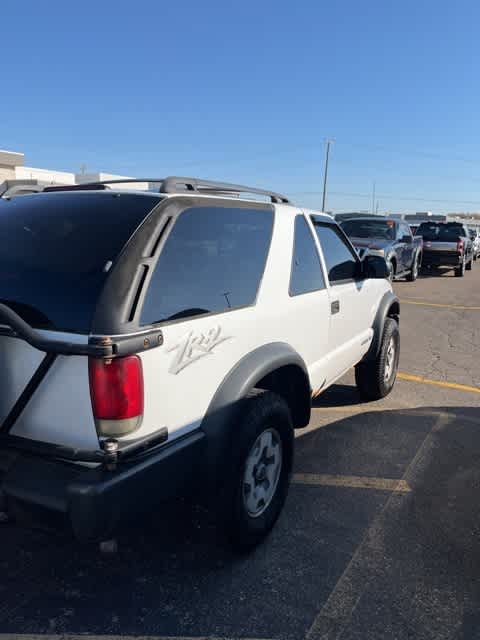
(262, 472)
(390, 359)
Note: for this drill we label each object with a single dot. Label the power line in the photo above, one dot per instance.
(387, 197)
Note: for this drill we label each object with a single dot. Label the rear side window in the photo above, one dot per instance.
(213, 260)
(306, 270)
(56, 249)
(340, 259)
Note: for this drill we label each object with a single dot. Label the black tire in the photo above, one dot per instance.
(460, 270)
(469, 265)
(413, 273)
(370, 376)
(263, 412)
(392, 268)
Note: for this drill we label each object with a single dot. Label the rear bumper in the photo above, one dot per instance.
(441, 259)
(96, 500)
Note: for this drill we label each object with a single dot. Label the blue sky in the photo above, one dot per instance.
(247, 91)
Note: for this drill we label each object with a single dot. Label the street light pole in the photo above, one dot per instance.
(328, 143)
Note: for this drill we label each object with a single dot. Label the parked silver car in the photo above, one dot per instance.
(475, 238)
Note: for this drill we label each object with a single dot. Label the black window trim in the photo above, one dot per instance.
(192, 203)
(338, 229)
(320, 261)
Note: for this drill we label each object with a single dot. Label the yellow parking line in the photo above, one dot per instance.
(423, 303)
(438, 383)
(351, 482)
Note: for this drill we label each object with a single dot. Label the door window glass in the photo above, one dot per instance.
(341, 261)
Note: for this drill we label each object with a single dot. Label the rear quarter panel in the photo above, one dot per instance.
(183, 375)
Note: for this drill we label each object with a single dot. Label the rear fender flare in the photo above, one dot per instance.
(223, 413)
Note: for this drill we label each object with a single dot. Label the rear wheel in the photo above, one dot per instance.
(469, 266)
(261, 464)
(375, 379)
(460, 270)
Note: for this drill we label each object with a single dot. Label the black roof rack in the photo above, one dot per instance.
(174, 184)
(349, 216)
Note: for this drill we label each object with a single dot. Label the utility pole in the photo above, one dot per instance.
(373, 199)
(328, 142)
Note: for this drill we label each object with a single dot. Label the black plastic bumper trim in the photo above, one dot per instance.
(50, 451)
(96, 500)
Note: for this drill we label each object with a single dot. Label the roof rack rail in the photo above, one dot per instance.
(174, 184)
(10, 188)
(87, 186)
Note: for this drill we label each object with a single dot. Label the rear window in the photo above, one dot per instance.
(384, 229)
(56, 250)
(440, 232)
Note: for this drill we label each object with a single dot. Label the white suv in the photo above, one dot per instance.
(154, 344)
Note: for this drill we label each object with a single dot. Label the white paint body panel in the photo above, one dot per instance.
(329, 345)
(182, 376)
(60, 411)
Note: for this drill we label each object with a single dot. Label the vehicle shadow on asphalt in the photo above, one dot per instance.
(338, 395)
(411, 559)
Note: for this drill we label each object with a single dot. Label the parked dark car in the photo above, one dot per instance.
(446, 244)
(391, 239)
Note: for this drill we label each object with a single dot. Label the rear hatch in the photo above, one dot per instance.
(445, 238)
(56, 252)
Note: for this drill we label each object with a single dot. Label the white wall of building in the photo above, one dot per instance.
(45, 175)
(9, 160)
(82, 178)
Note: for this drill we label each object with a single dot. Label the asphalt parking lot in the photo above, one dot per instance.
(380, 537)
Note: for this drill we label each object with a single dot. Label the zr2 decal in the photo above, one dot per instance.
(193, 347)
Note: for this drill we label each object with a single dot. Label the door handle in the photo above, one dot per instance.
(335, 307)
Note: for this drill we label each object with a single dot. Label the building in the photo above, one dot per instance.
(13, 169)
(9, 161)
(82, 178)
(44, 175)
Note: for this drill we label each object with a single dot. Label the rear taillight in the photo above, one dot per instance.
(460, 246)
(116, 390)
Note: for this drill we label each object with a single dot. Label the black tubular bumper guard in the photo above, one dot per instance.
(126, 475)
(97, 346)
(106, 347)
